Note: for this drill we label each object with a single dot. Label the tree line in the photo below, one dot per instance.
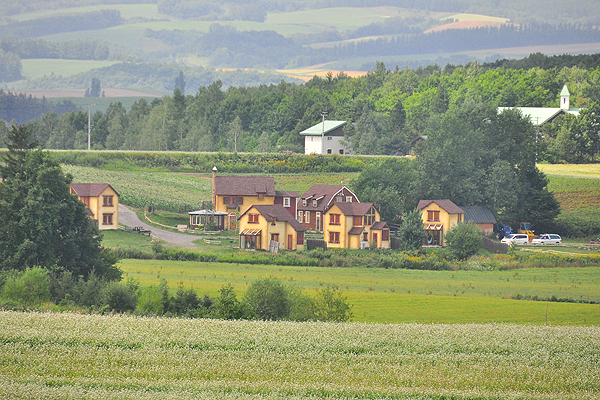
(386, 110)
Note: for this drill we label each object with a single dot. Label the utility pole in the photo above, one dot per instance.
(324, 115)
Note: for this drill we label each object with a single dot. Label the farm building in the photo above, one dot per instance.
(326, 137)
(101, 201)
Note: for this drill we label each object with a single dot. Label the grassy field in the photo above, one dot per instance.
(45, 355)
(398, 295)
(36, 68)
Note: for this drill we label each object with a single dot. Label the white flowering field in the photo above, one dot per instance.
(71, 356)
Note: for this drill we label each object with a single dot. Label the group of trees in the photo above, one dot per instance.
(41, 223)
(385, 109)
(266, 299)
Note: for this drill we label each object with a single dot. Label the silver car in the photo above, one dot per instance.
(517, 238)
(549, 239)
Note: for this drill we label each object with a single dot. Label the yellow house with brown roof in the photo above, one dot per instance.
(355, 226)
(101, 201)
(262, 224)
(438, 217)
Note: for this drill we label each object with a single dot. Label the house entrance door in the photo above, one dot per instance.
(290, 242)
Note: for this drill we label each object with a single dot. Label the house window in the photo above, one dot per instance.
(315, 203)
(303, 202)
(433, 215)
(357, 220)
(370, 218)
(460, 217)
(300, 216)
(338, 199)
(365, 237)
(107, 219)
(225, 200)
(385, 235)
(275, 237)
(342, 151)
(108, 201)
(334, 237)
(253, 218)
(329, 138)
(348, 199)
(334, 219)
(328, 151)
(261, 196)
(286, 202)
(300, 238)
(307, 217)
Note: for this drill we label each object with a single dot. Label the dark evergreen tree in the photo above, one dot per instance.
(41, 223)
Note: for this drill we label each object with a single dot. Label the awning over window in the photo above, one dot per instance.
(250, 232)
(434, 227)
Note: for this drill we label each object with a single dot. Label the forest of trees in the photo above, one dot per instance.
(386, 110)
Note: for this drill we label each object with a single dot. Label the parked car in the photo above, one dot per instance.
(547, 239)
(517, 238)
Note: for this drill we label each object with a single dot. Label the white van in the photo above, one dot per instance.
(517, 238)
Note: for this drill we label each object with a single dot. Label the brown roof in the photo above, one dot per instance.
(379, 225)
(276, 211)
(354, 208)
(287, 193)
(244, 185)
(324, 193)
(90, 189)
(357, 230)
(446, 205)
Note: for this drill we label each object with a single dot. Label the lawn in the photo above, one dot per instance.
(398, 295)
(52, 355)
(37, 68)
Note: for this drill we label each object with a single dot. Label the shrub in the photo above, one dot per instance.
(118, 297)
(332, 305)
(29, 288)
(464, 240)
(150, 301)
(227, 306)
(268, 299)
(411, 231)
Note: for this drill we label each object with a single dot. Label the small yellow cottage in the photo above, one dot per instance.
(261, 224)
(438, 217)
(101, 201)
(355, 226)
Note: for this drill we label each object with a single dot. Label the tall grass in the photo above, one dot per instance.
(123, 357)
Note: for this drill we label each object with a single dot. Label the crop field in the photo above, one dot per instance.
(399, 295)
(45, 355)
(166, 191)
(576, 187)
(37, 68)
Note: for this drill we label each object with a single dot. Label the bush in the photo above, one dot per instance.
(27, 289)
(331, 305)
(464, 240)
(150, 301)
(268, 299)
(411, 232)
(227, 306)
(118, 297)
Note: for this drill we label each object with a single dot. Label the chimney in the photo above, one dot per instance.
(214, 189)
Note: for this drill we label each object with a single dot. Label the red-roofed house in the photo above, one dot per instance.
(101, 201)
(438, 217)
(355, 226)
(261, 224)
(317, 200)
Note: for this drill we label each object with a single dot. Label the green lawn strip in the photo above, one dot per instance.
(404, 308)
(37, 68)
(122, 239)
(375, 293)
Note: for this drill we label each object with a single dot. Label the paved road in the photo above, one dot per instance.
(130, 218)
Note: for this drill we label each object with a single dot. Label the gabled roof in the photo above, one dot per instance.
(244, 185)
(323, 128)
(357, 230)
(565, 91)
(277, 212)
(540, 115)
(287, 193)
(446, 205)
(354, 208)
(379, 225)
(478, 215)
(324, 194)
(90, 189)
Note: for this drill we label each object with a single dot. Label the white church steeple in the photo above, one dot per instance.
(564, 98)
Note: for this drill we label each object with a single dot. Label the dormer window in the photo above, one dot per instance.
(338, 199)
(315, 203)
(348, 199)
(286, 202)
(304, 202)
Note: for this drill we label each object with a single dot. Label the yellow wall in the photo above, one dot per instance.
(346, 224)
(447, 220)
(267, 228)
(248, 202)
(98, 209)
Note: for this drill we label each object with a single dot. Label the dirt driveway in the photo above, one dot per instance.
(130, 218)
